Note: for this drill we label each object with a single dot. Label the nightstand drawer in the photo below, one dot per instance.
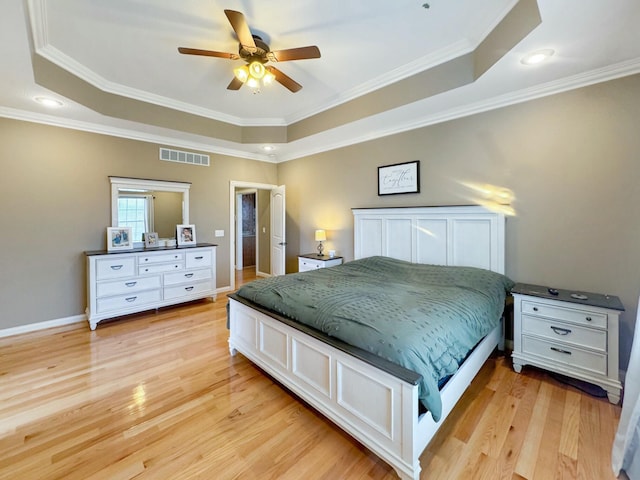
(565, 354)
(305, 265)
(574, 315)
(565, 332)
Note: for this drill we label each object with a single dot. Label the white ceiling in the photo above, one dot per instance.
(129, 47)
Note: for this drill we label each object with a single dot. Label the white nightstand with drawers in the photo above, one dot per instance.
(570, 333)
(313, 261)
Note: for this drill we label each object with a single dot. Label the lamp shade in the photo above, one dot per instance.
(320, 235)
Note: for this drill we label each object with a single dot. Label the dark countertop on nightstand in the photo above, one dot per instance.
(593, 299)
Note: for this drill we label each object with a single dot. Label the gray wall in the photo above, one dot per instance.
(56, 203)
(571, 159)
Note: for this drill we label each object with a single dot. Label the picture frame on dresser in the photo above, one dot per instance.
(119, 238)
(186, 234)
(151, 240)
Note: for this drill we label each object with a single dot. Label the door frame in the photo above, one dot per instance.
(233, 186)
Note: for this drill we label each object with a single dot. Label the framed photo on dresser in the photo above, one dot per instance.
(150, 239)
(119, 238)
(186, 234)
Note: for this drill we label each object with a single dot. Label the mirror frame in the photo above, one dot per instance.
(145, 184)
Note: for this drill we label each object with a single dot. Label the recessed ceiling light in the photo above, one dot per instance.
(268, 148)
(537, 57)
(48, 102)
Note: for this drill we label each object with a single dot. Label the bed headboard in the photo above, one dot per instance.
(463, 236)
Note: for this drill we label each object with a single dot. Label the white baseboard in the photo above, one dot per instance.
(33, 327)
(223, 289)
(262, 274)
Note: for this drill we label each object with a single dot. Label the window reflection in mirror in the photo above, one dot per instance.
(149, 206)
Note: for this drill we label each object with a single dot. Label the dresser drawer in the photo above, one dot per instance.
(186, 277)
(160, 258)
(574, 315)
(565, 354)
(556, 331)
(159, 268)
(125, 287)
(122, 302)
(187, 290)
(199, 259)
(116, 267)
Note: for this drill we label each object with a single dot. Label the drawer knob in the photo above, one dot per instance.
(535, 309)
(116, 267)
(559, 350)
(561, 331)
(130, 284)
(588, 319)
(131, 299)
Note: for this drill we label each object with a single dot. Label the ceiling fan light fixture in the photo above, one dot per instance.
(256, 70)
(268, 78)
(253, 82)
(242, 73)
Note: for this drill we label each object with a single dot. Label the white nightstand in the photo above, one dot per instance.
(312, 261)
(570, 333)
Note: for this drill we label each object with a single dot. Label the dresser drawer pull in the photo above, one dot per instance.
(188, 289)
(199, 258)
(561, 331)
(559, 350)
(588, 319)
(131, 299)
(188, 275)
(146, 259)
(130, 284)
(535, 309)
(116, 267)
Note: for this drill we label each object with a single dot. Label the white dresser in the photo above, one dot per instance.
(313, 261)
(124, 282)
(576, 337)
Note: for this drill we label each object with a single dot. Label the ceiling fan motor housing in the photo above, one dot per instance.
(260, 55)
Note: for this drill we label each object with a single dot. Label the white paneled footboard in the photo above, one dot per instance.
(375, 407)
(378, 408)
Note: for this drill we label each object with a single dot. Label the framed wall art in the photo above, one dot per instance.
(119, 238)
(186, 234)
(399, 178)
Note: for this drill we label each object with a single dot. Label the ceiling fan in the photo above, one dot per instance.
(256, 53)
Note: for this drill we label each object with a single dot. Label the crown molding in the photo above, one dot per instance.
(619, 70)
(130, 134)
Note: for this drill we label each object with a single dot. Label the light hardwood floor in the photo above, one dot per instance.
(157, 396)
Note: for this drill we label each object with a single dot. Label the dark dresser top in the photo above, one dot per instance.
(153, 249)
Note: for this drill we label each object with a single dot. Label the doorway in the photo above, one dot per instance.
(257, 245)
(247, 242)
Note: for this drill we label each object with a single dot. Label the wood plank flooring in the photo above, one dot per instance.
(157, 396)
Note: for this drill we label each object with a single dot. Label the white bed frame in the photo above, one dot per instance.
(377, 408)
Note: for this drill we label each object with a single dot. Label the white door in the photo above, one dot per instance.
(278, 242)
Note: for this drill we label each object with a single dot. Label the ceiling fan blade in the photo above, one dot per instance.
(239, 24)
(285, 80)
(208, 53)
(235, 84)
(301, 53)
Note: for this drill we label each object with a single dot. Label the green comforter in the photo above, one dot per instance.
(425, 318)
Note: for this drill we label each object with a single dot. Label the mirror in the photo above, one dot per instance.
(149, 205)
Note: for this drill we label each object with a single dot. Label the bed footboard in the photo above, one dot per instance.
(378, 409)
